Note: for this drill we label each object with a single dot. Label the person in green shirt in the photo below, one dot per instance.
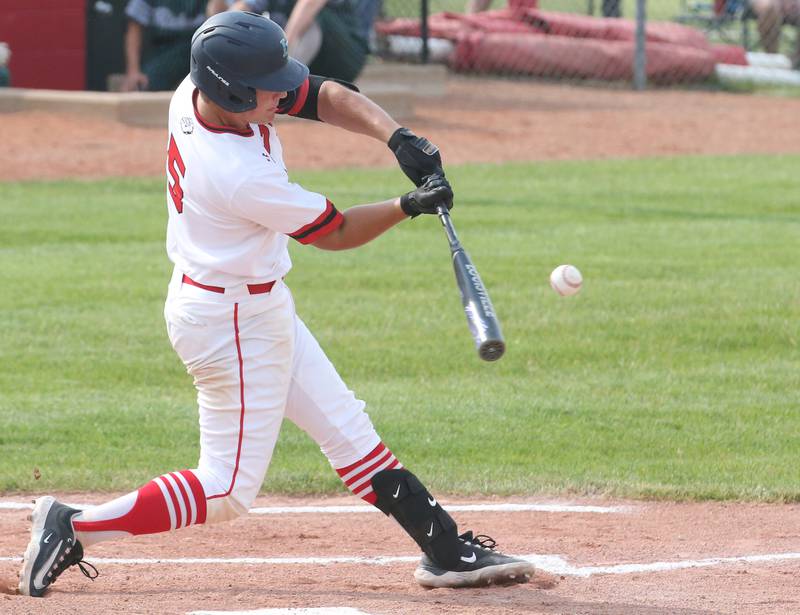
(163, 29)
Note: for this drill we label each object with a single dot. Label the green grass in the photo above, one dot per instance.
(674, 374)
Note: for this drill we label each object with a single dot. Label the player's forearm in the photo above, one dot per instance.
(342, 107)
(362, 224)
(133, 47)
(303, 13)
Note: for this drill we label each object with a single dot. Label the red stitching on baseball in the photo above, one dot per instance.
(567, 282)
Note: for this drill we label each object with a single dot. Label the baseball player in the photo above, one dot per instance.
(231, 318)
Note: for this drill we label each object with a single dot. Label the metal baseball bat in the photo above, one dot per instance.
(481, 318)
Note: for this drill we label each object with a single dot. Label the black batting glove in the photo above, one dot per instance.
(417, 156)
(433, 192)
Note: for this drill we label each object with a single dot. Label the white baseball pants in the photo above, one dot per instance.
(255, 362)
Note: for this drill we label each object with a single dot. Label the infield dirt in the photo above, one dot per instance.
(478, 121)
(647, 532)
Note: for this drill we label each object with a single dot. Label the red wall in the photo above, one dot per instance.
(48, 42)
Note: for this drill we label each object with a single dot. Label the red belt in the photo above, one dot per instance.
(253, 289)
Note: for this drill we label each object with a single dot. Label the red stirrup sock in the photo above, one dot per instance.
(166, 503)
(357, 476)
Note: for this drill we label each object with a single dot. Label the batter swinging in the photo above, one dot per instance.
(231, 318)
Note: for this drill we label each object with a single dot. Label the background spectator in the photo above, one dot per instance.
(771, 15)
(164, 29)
(5, 57)
(367, 12)
(326, 35)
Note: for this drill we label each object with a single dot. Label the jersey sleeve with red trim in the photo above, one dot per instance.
(272, 201)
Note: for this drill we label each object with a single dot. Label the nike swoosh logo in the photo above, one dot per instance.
(470, 559)
(37, 580)
(432, 501)
(396, 493)
(49, 536)
(431, 532)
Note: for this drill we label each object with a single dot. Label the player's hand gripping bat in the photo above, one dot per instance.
(481, 318)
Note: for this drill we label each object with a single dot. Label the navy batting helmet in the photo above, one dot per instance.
(235, 53)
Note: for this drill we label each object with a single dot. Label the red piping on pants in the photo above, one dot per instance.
(241, 400)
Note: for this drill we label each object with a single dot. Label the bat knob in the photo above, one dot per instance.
(491, 350)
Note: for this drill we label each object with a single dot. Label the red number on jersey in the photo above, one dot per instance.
(176, 170)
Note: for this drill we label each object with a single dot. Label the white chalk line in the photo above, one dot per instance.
(336, 610)
(557, 565)
(553, 564)
(358, 509)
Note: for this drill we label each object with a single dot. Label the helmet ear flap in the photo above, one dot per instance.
(238, 96)
(229, 93)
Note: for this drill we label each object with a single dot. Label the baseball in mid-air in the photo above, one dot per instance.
(566, 280)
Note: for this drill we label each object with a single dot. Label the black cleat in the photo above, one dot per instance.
(480, 565)
(52, 549)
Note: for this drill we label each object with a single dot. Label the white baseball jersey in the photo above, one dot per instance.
(231, 205)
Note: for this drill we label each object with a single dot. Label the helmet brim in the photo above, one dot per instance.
(286, 79)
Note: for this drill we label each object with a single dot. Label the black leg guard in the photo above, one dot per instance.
(404, 497)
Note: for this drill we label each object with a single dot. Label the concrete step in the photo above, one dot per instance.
(136, 108)
(416, 80)
(392, 90)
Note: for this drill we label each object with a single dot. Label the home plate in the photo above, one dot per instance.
(335, 610)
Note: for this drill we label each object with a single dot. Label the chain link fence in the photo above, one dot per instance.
(643, 42)
(671, 42)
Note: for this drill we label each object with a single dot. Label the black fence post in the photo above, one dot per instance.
(423, 32)
(640, 53)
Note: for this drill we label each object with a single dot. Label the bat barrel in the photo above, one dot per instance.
(481, 318)
(491, 350)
